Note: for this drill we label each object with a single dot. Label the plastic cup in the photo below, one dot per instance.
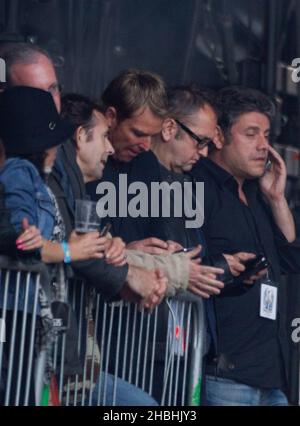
(86, 217)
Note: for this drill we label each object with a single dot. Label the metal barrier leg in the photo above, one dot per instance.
(22, 342)
(12, 343)
(40, 364)
(31, 344)
(4, 312)
(198, 351)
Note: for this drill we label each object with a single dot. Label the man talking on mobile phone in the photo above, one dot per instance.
(246, 210)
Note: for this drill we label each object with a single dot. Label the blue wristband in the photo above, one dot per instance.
(67, 254)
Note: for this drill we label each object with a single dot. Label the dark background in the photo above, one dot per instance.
(211, 42)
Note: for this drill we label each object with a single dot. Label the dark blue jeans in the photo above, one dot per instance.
(126, 393)
(221, 391)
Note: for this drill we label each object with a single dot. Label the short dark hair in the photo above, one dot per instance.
(78, 110)
(233, 101)
(134, 89)
(23, 53)
(184, 101)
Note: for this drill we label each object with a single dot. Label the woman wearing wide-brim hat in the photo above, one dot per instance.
(9, 241)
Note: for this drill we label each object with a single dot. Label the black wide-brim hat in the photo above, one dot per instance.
(29, 121)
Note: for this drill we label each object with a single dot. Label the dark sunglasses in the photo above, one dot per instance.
(202, 142)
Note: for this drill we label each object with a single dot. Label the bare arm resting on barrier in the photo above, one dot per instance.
(81, 246)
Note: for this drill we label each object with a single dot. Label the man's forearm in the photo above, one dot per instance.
(284, 218)
(175, 266)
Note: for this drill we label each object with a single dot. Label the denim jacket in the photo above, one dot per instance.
(8, 234)
(25, 196)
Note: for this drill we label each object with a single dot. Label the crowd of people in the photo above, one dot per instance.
(56, 150)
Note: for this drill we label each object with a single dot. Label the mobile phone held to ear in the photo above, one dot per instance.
(268, 164)
(253, 266)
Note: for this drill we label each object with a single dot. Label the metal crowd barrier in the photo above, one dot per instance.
(159, 352)
(21, 369)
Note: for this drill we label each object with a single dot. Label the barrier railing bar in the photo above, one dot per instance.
(93, 351)
(169, 352)
(146, 352)
(5, 296)
(182, 348)
(138, 363)
(198, 340)
(153, 352)
(80, 327)
(108, 351)
(188, 327)
(102, 348)
(31, 346)
(22, 343)
(118, 353)
(12, 342)
(132, 344)
(126, 340)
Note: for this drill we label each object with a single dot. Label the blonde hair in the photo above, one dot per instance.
(134, 89)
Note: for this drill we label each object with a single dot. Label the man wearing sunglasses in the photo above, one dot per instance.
(184, 140)
(186, 136)
(186, 133)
